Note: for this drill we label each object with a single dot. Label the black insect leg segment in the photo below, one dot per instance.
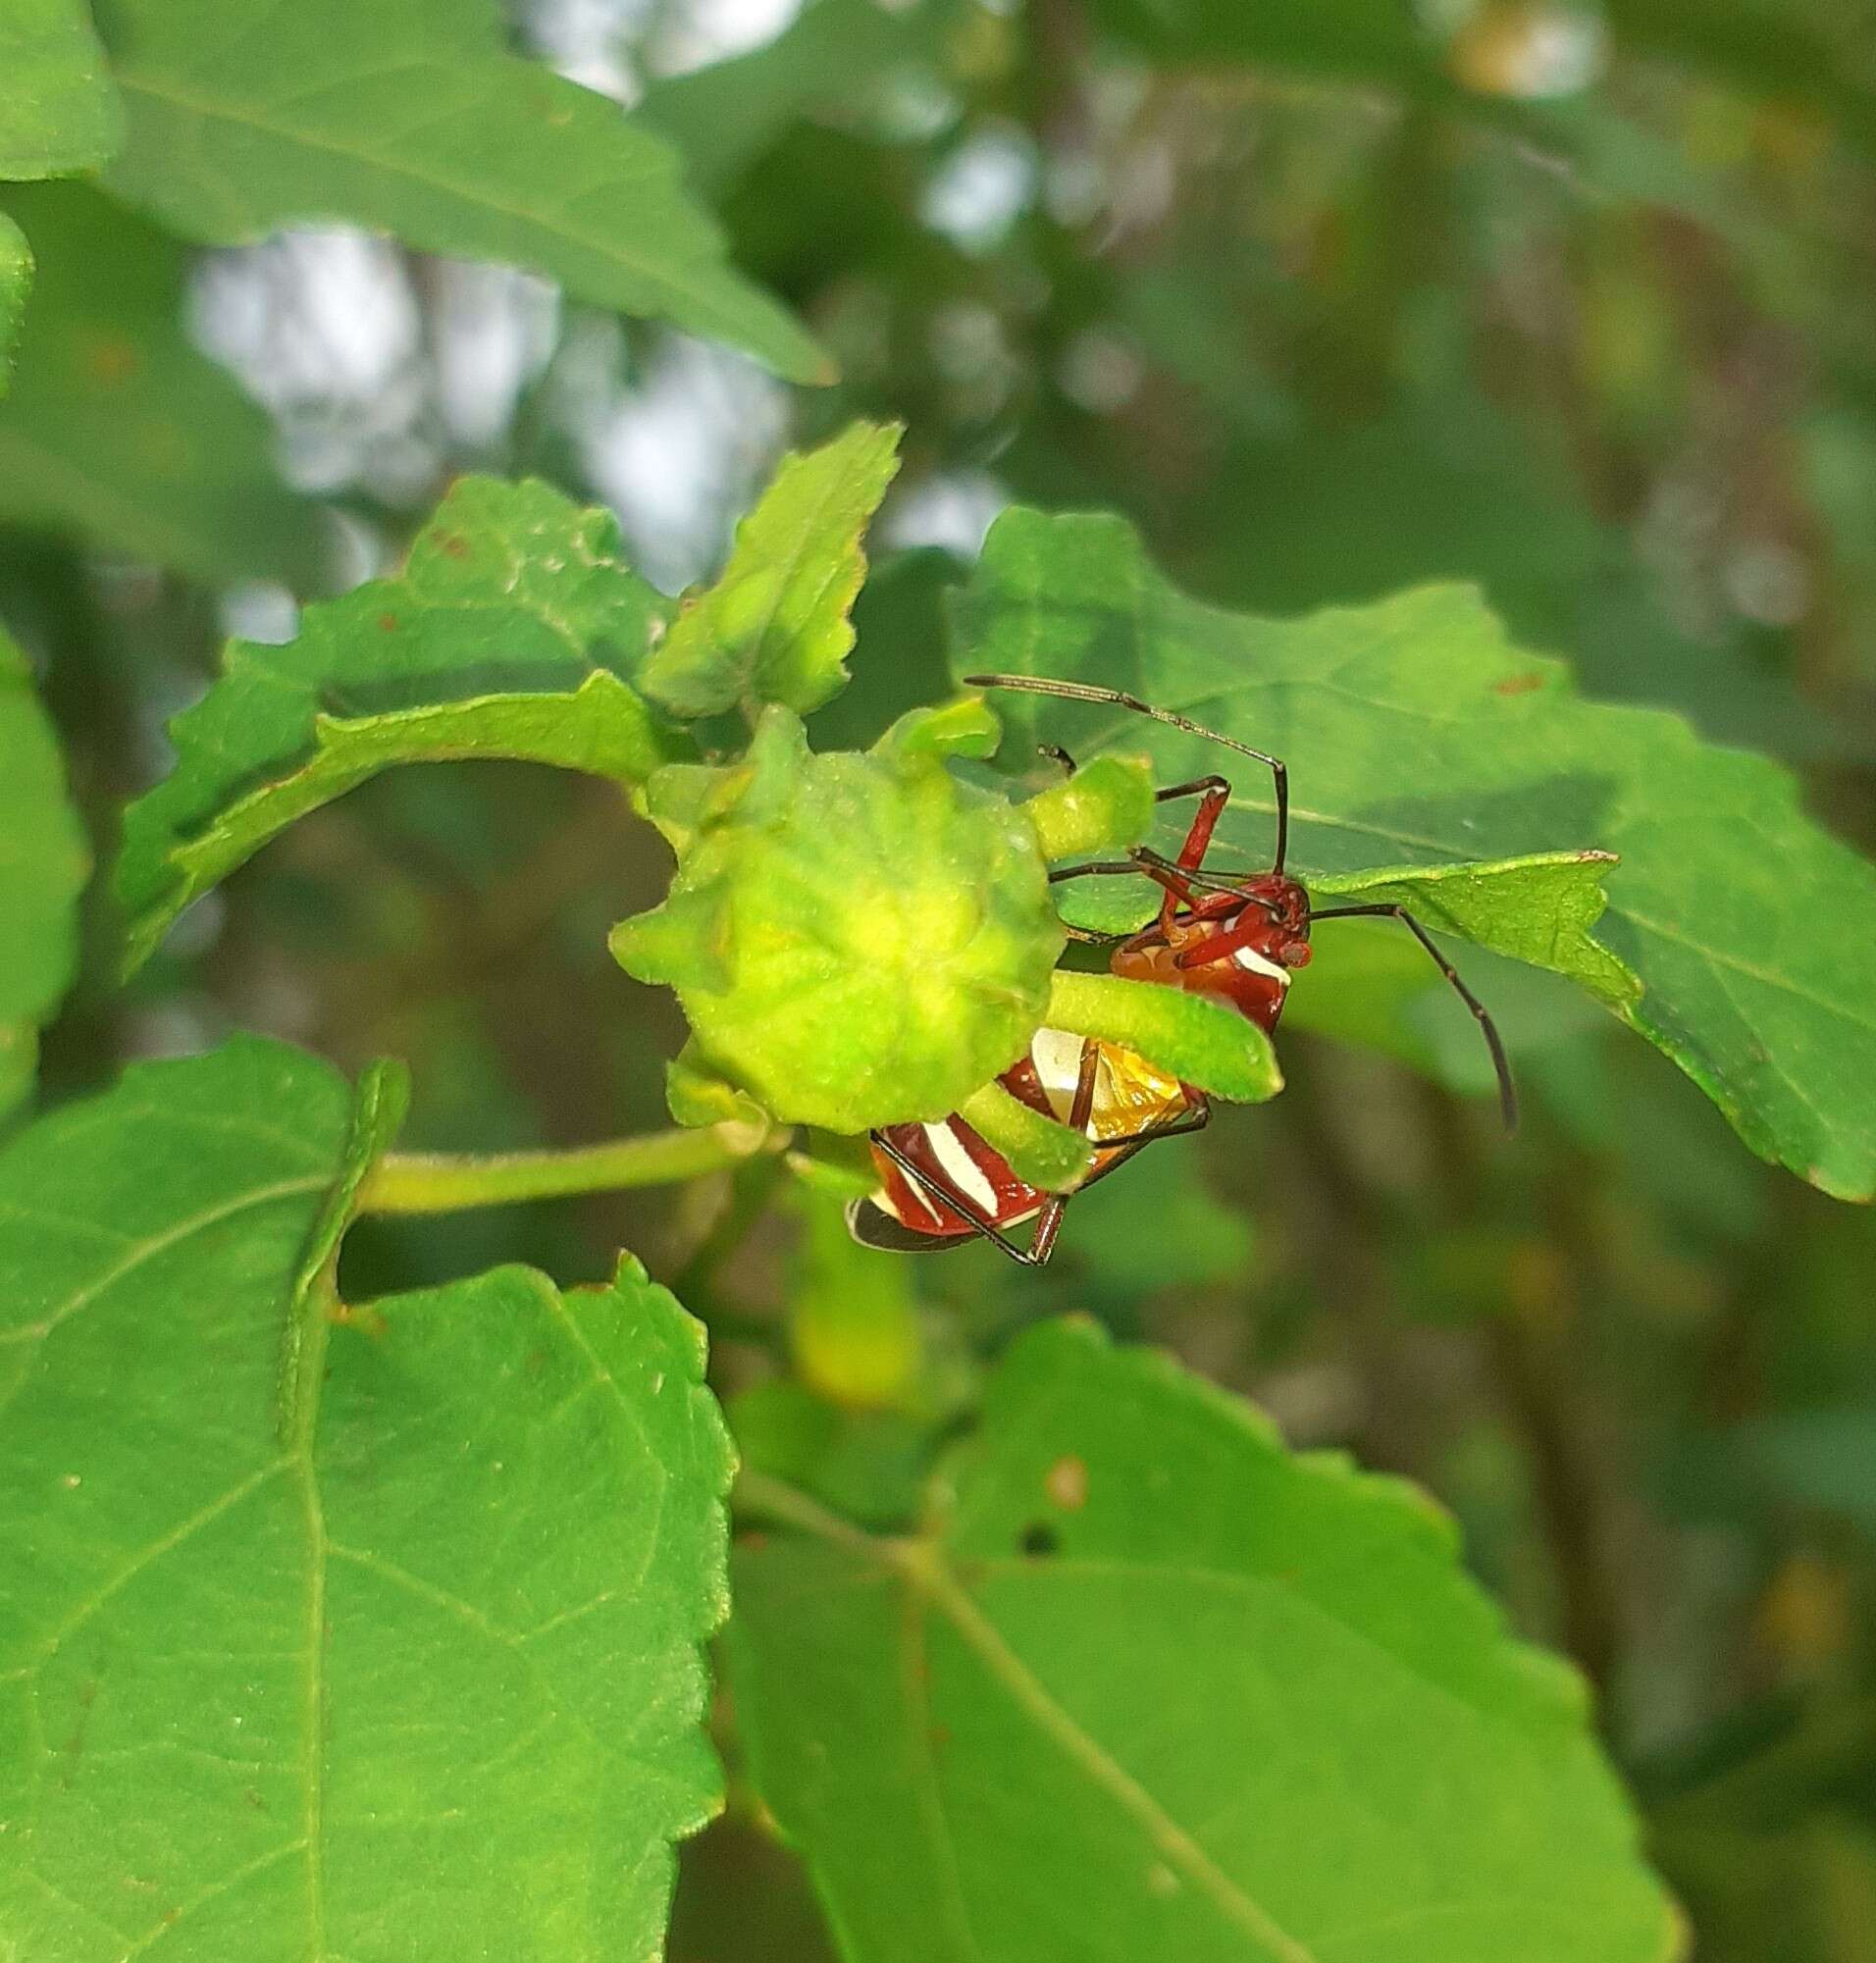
(957, 1202)
(1084, 692)
(1101, 868)
(1196, 1118)
(1049, 1219)
(1507, 1091)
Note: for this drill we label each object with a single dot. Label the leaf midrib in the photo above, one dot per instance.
(932, 1583)
(548, 222)
(146, 1250)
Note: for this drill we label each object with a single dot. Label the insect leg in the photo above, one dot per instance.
(1049, 1220)
(960, 1206)
(1507, 1091)
(1146, 865)
(1084, 692)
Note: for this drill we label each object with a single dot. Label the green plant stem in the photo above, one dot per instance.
(423, 1182)
(764, 1497)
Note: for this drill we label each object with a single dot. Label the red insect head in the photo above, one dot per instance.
(1237, 947)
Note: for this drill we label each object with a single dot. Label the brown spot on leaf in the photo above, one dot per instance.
(1517, 685)
(388, 623)
(1067, 1482)
(110, 360)
(453, 546)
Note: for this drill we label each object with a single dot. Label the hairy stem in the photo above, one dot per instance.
(422, 1182)
(758, 1496)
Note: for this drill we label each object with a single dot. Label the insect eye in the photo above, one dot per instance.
(1295, 954)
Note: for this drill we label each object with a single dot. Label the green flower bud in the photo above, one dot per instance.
(858, 939)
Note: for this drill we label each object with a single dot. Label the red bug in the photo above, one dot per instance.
(1236, 939)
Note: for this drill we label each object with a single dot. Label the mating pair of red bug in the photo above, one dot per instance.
(1232, 938)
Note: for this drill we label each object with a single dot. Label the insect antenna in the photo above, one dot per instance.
(1507, 1091)
(1086, 692)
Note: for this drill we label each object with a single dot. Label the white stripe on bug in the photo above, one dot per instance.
(1057, 1057)
(965, 1173)
(1249, 957)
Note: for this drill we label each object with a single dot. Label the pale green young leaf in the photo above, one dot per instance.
(1418, 736)
(43, 865)
(275, 1692)
(120, 431)
(1541, 908)
(514, 631)
(16, 282)
(58, 110)
(775, 626)
(413, 119)
(1149, 1685)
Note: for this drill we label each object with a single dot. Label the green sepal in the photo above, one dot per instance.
(965, 727)
(1104, 807)
(1046, 1154)
(678, 944)
(684, 797)
(856, 940)
(696, 1096)
(836, 1162)
(1201, 1043)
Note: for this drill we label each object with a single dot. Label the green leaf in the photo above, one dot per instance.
(117, 429)
(514, 631)
(774, 628)
(1539, 908)
(58, 110)
(903, 662)
(16, 282)
(1149, 1685)
(1418, 736)
(723, 116)
(275, 1696)
(412, 119)
(43, 865)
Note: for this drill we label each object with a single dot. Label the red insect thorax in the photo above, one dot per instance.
(1236, 946)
